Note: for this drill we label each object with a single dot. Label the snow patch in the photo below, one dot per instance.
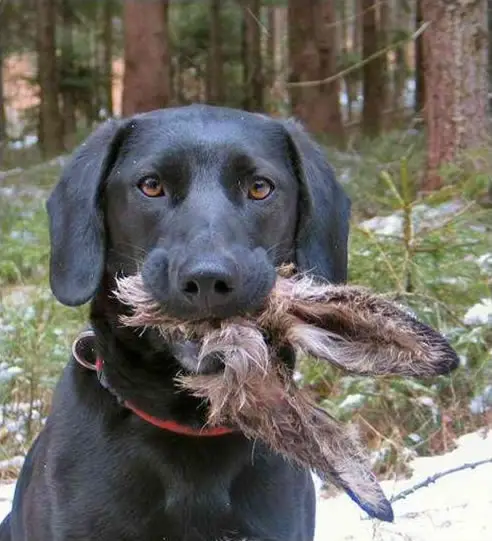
(479, 314)
(485, 262)
(483, 402)
(352, 402)
(424, 217)
(456, 508)
(8, 373)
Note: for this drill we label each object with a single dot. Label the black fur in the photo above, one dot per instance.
(97, 471)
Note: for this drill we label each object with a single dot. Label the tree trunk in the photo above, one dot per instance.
(304, 62)
(146, 83)
(3, 117)
(400, 23)
(352, 79)
(91, 100)
(279, 93)
(419, 62)
(456, 81)
(108, 10)
(344, 41)
(399, 79)
(313, 55)
(68, 74)
(178, 92)
(215, 76)
(372, 72)
(489, 11)
(270, 47)
(357, 26)
(383, 41)
(50, 119)
(344, 27)
(252, 56)
(329, 108)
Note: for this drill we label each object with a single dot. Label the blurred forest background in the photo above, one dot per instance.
(396, 90)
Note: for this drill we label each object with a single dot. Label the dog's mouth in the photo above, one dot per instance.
(144, 311)
(183, 336)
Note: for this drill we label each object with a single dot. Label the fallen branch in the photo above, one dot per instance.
(433, 478)
(359, 65)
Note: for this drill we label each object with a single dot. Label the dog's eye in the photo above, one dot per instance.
(151, 187)
(260, 189)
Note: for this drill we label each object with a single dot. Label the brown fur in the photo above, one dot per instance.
(348, 326)
(352, 328)
(265, 405)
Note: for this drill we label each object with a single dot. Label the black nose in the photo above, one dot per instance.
(209, 283)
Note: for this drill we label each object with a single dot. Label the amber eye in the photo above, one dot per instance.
(260, 189)
(151, 187)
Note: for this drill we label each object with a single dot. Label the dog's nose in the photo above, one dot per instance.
(209, 283)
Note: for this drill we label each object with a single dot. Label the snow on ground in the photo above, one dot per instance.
(6, 495)
(424, 217)
(457, 507)
(480, 313)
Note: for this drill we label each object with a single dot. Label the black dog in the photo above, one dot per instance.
(206, 202)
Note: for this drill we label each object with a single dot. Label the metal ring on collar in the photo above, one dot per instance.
(76, 354)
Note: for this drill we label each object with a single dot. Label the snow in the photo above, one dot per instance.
(7, 373)
(479, 314)
(483, 402)
(457, 507)
(423, 216)
(485, 262)
(352, 402)
(391, 225)
(6, 496)
(26, 142)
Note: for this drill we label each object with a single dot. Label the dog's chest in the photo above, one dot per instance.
(196, 501)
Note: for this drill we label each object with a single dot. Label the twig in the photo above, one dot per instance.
(368, 233)
(357, 15)
(381, 435)
(350, 69)
(433, 478)
(250, 13)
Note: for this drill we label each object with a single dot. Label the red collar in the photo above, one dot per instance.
(172, 426)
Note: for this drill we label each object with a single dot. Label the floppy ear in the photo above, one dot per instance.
(324, 210)
(76, 221)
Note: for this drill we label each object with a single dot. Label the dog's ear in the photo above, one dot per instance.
(76, 221)
(324, 210)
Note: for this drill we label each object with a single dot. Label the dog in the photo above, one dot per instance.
(206, 202)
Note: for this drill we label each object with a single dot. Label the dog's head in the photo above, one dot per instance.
(205, 201)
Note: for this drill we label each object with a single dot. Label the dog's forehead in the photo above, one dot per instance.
(207, 130)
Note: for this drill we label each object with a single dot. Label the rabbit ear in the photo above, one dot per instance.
(380, 509)
(342, 462)
(362, 333)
